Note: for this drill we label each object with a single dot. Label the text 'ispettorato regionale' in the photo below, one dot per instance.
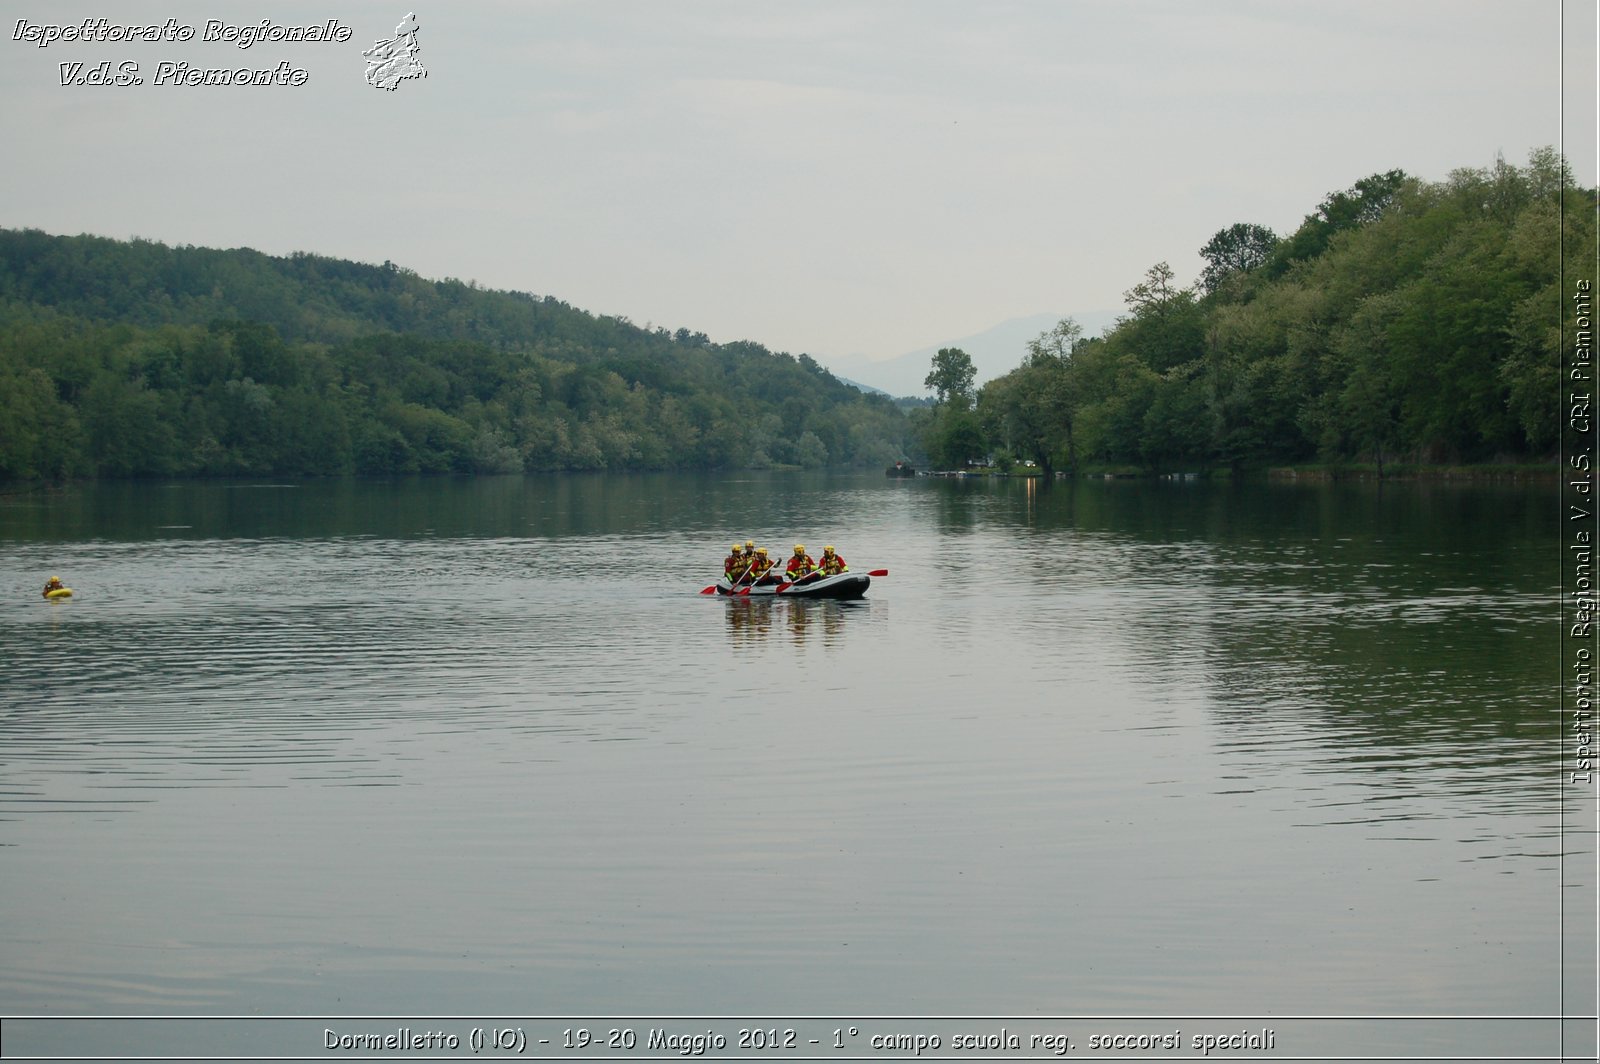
(171, 72)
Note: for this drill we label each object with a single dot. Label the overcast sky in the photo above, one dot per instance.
(837, 178)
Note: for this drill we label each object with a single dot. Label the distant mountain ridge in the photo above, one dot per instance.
(995, 352)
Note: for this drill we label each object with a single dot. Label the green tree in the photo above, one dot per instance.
(1236, 250)
(1032, 409)
(952, 378)
(127, 432)
(40, 437)
(954, 437)
(1167, 326)
(1361, 204)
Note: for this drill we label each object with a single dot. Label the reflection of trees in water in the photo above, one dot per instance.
(1402, 631)
(715, 506)
(1220, 512)
(1398, 629)
(1401, 669)
(968, 504)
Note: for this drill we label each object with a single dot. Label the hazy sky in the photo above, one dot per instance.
(838, 178)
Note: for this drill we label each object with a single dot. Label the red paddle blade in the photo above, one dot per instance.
(879, 572)
(712, 590)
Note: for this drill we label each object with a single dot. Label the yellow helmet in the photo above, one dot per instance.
(827, 550)
(734, 548)
(749, 544)
(54, 578)
(799, 548)
(761, 551)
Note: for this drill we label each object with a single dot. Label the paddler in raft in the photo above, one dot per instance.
(53, 584)
(733, 566)
(831, 563)
(745, 565)
(801, 569)
(761, 569)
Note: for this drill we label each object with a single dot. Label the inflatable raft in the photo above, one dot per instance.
(59, 593)
(841, 586)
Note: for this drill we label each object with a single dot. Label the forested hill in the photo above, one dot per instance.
(134, 358)
(1404, 321)
(305, 297)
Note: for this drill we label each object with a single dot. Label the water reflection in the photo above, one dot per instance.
(775, 506)
(1399, 638)
(1313, 712)
(798, 622)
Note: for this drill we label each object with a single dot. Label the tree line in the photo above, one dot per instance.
(1403, 321)
(122, 359)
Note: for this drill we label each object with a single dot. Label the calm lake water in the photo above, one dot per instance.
(478, 747)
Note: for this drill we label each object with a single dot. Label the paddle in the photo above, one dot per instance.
(755, 578)
(875, 572)
(804, 577)
(735, 589)
(712, 590)
(733, 582)
(787, 584)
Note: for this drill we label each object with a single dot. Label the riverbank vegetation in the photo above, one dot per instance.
(1404, 321)
(137, 359)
